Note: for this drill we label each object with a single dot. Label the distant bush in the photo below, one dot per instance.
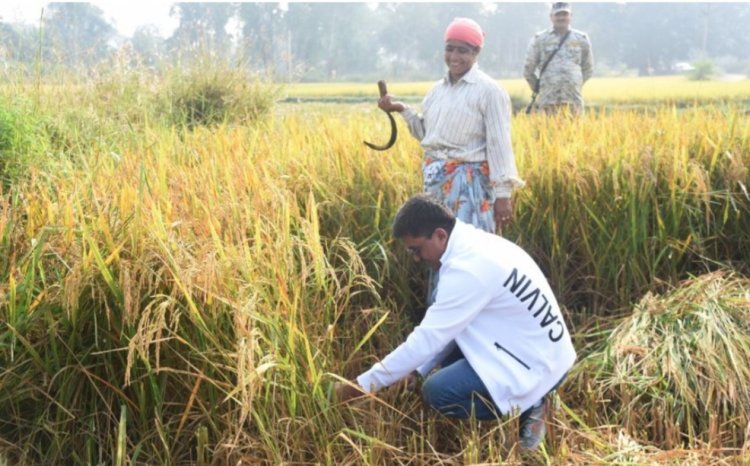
(209, 95)
(703, 70)
(124, 91)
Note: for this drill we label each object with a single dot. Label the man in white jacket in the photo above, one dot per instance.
(495, 326)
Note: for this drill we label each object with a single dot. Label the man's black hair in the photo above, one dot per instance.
(421, 215)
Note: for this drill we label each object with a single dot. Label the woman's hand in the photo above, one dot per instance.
(503, 213)
(385, 103)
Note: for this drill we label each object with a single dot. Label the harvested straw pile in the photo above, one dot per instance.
(677, 371)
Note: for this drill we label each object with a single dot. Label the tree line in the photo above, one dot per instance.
(361, 41)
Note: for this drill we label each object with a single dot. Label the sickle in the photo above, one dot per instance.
(383, 91)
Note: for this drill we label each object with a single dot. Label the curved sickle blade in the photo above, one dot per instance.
(391, 141)
(394, 132)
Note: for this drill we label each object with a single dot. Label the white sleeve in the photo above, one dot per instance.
(500, 157)
(415, 122)
(457, 302)
(425, 368)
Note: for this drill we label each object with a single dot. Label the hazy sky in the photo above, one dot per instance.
(125, 16)
(129, 14)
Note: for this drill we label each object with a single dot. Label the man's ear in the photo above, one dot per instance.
(441, 233)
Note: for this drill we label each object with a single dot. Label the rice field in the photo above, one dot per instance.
(183, 291)
(666, 90)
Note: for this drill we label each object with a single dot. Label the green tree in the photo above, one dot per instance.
(262, 36)
(77, 34)
(202, 27)
(9, 39)
(650, 37)
(333, 40)
(509, 28)
(703, 70)
(412, 36)
(148, 44)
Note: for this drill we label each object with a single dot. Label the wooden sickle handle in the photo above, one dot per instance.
(382, 88)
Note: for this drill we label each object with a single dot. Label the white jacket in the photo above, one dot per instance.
(497, 306)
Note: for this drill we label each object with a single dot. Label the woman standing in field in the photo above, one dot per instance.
(464, 129)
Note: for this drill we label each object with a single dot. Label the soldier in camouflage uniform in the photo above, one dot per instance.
(562, 80)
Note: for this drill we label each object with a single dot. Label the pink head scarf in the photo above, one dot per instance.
(465, 30)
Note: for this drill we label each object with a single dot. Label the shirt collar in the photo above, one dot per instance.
(471, 76)
(458, 229)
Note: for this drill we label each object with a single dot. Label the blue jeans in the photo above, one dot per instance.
(457, 391)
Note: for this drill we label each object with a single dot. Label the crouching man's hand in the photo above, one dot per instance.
(344, 392)
(413, 381)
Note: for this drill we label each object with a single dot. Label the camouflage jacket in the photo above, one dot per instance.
(563, 78)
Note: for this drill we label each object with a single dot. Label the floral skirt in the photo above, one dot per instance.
(464, 187)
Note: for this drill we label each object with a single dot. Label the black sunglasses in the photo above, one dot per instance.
(415, 251)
